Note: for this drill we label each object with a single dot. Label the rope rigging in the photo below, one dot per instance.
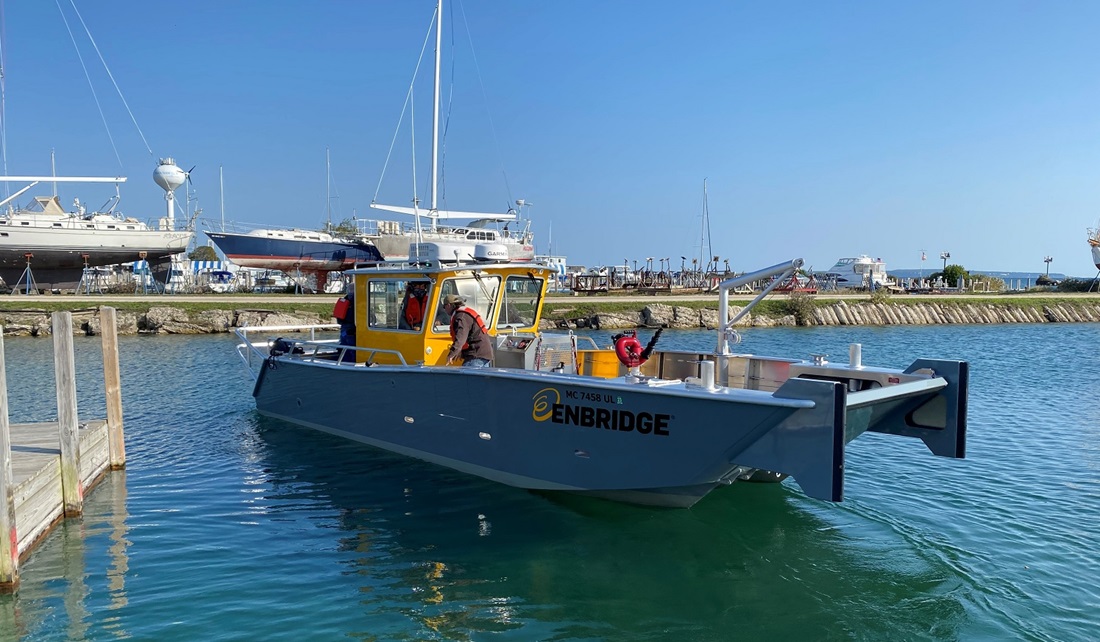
(109, 74)
(91, 86)
(405, 108)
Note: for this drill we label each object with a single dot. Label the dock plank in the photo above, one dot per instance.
(36, 474)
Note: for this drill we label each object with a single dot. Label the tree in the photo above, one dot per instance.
(203, 253)
(952, 273)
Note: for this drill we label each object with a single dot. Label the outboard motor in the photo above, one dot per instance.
(282, 346)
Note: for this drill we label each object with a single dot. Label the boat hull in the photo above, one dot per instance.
(541, 431)
(395, 247)
(289, 255)
(58, 256)
(1096, 254)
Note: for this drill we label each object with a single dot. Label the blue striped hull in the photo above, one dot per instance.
(289, 255)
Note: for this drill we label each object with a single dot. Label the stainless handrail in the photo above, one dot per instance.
(248, 349)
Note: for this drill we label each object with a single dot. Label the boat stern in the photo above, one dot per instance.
(927, 401)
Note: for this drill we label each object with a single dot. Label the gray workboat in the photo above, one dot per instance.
(556, 412)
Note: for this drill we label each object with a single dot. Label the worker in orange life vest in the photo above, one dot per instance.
(414, 305)
(344, 313)
(472, 342)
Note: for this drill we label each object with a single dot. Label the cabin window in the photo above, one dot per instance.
(480, 292)
(389, 306)
(520, 302)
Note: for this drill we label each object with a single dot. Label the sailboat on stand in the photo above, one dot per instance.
(43, 246)
(296, 252)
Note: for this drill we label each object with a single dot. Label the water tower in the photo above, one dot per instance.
(169, 177)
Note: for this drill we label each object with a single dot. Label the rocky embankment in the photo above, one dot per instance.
(846, 313)
(157, 320)
(177, 320)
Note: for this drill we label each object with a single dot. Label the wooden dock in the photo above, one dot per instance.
(46, 468)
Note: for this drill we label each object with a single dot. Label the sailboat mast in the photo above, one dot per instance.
(221, 194)
(328, 192)
(435, 107)
(703, 229)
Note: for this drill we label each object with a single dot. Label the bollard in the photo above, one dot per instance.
(855, 355)
(706, 373)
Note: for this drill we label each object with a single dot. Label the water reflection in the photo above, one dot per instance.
(457, 555)
(226, 525)
(79, 555)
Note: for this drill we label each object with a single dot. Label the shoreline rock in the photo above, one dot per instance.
(167, 319)
(157, 320)
(862, 313)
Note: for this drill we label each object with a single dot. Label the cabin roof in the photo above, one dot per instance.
(427, 270)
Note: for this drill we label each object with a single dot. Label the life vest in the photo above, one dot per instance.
(340, 310)
(477, 319)
(414, 311)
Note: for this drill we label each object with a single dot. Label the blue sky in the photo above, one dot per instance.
(824, 129)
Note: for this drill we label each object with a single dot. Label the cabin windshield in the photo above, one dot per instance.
(520, 307)
(480, 292)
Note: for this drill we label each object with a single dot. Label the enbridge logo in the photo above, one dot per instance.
(543, 403)
(546, 405)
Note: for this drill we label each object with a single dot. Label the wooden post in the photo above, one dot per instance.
(9, 539)
(112, 383)
(64, 368)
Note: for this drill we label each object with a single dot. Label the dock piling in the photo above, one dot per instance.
(112, 384)
(72, 491)
(9, 542)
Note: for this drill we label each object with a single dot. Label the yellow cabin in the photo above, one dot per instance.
(508, 297)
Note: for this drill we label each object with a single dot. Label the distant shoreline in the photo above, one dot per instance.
(191, 314)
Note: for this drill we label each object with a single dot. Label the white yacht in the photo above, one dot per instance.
(858, 272)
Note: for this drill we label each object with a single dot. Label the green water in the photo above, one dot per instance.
(228, 526)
